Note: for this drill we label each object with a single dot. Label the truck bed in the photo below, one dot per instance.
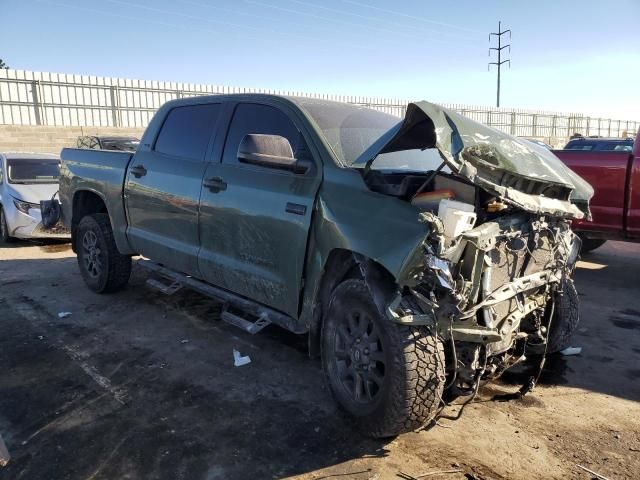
(100, 172)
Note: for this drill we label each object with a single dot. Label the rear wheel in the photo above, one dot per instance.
(388, 377)
(589, 244)
(4, 229)
(103, 268)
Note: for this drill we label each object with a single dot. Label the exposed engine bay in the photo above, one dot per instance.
(489, 278)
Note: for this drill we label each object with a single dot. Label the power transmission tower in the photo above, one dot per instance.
(499, 49)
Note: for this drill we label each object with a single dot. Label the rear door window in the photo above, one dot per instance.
(187, 130)
(253, 118)
(623, 148)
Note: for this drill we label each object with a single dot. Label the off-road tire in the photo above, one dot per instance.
(414, 363)
(565, 318)
(114, 268)
(4, 230)
(589, 244)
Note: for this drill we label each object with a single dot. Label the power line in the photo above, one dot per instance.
(335, 20)
(403, 25)
(234, 26)
(406, 15)
(499, 49)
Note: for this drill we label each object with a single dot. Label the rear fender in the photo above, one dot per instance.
(89, 202)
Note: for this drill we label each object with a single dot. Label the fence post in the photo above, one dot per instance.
(534, 118)
(36, 101)
(113, 91)
(513, 123)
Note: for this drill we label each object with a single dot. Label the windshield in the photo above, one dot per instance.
(351, 130)
(33, 170)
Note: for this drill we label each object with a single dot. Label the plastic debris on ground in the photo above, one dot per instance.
(64, 314)
(4, 453)
(239, 360)
(571, 351)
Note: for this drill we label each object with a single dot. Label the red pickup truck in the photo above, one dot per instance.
(615, 207)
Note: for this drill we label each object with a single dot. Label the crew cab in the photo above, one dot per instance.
(614, 173)
(421, 256)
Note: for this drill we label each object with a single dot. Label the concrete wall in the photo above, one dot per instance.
(56, 99)
(24, 138)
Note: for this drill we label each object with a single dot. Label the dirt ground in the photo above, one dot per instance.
(140, 385)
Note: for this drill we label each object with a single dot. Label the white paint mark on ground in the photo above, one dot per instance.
(31, 314)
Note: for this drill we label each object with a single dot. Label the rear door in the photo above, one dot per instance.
(254, 221)
(163, 185)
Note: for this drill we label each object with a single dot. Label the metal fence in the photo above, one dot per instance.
(40, 98)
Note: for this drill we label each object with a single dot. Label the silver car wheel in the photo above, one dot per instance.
(91, 254)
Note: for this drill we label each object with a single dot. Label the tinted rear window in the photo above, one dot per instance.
(186, 131)
(578, 146)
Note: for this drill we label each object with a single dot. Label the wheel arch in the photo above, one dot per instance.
(343, 264)
(85, 202)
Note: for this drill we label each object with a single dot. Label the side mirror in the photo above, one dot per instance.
(271, 151)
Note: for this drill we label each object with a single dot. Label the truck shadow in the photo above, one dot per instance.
(143, 390)
(144, 386)
(608, 332)
(46, 245)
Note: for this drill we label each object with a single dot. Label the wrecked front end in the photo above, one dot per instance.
(500, 253)
(490, 292)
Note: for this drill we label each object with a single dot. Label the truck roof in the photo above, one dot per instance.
(237, 96)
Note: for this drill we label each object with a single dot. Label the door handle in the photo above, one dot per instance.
(215, 184)
(138, 171)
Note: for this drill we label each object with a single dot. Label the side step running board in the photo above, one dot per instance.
(243, 323)
(164, 288)
(263, 315)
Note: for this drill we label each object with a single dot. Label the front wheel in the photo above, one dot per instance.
(4, 229)
(565, 318)
(388, 377)
(103, 268)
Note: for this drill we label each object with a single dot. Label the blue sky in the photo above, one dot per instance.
(581, 56)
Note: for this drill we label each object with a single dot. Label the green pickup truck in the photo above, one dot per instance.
(420, 256)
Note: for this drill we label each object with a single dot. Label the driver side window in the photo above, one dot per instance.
(250, 118)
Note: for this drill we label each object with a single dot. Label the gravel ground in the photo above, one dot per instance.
(140, 385)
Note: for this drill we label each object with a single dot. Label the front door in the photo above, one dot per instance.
(254, 220)
(163, 185)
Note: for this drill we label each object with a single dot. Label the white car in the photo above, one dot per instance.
(25, 179)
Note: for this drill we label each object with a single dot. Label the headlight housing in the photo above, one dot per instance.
(24, 207)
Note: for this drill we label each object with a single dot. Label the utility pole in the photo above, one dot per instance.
(499, 49)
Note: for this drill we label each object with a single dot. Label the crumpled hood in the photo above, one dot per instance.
(33, 193)
(519, 172)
